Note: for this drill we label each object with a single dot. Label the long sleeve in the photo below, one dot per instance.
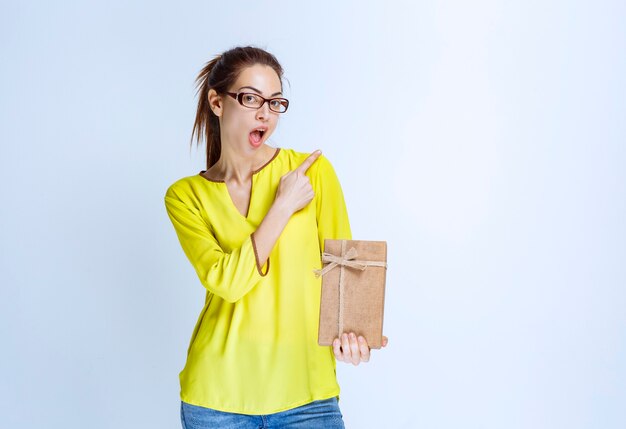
(228, 275)
(332, 214)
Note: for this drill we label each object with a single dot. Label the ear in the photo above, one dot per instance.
(215, 102)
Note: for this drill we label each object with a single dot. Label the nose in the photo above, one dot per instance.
(264, 110)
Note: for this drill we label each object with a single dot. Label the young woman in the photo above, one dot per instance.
(253, 226)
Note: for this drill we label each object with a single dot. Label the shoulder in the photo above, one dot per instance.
(293, 158)
(185, 190)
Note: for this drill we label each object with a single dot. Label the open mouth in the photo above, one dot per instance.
(256, 136)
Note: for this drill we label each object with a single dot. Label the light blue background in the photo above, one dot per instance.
(484, 140)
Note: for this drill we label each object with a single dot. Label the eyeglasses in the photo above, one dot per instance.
(255, 101)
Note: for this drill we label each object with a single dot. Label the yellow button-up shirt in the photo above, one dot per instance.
(254, 347)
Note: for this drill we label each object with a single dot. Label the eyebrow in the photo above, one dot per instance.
(254, 89)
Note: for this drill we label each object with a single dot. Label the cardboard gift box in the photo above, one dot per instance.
(353, 290)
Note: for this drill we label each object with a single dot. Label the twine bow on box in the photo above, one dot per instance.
(345, 260)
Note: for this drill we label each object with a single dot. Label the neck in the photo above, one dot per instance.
(238, 166)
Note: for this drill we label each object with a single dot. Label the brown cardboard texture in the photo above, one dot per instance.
(358, 305)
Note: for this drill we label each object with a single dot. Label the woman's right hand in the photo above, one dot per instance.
(294, 190)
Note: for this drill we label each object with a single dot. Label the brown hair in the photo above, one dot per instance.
(219, 74)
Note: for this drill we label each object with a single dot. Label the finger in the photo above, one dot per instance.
(385, 341)
(354, 349)
(337, 349)
(302, 168)
(345, 348)
(364, 348)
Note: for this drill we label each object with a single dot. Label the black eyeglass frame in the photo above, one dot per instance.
(239, 97)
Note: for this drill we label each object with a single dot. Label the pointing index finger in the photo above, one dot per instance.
(302, 168)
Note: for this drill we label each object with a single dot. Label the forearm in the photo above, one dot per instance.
(294, 192)
(269, 230)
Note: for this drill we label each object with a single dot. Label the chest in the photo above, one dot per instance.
(240, 195)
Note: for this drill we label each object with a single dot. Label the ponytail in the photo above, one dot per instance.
(207, 124)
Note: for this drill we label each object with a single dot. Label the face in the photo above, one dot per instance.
(238, 122)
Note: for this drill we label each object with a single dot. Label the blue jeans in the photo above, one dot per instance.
(322, 414)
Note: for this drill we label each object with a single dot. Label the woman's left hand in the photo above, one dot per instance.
(352, 350)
